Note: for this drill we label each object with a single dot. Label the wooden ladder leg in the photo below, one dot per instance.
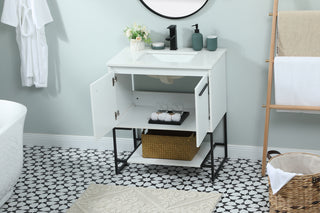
(265, 142)
(269, 89)
(116, 166)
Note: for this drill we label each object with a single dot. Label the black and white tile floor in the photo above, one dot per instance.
(53, 178)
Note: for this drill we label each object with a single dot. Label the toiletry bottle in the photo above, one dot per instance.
(197, 39)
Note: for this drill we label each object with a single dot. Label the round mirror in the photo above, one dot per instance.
(174, 9)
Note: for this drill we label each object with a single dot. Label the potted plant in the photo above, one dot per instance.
(138, 35)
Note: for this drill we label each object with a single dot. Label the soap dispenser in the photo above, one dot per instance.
(197, 39)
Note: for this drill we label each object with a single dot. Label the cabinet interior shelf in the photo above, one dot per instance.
(138, 116)
(195, 162)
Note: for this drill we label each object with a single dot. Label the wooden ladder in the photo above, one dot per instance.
(268, 105)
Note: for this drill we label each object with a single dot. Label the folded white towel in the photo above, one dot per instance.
(297, 81)
(154, 116)
(168, 117)
(162, 116)
(278, 178)
(176, 117)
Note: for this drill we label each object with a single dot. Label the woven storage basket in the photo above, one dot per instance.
(175, 145)
(302, 192)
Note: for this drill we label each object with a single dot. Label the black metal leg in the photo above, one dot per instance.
(134, 138)
(212, 155)
(124, 162)
(214, 174)
(225, 137)
(115, 150)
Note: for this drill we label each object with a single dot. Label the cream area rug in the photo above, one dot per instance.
(121, 199)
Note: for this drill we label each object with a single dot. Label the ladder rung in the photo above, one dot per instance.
(292, 107)
(271, 14)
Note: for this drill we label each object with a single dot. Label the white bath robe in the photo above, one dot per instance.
(30, 17)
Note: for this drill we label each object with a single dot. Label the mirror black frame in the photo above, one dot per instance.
(169, 17)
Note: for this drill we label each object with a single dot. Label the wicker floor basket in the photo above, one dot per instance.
(302, 192)
(175, 145)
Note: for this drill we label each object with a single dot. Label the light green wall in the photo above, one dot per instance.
(85, 34)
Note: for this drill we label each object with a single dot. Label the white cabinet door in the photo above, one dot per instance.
(202, 109)
(103, 105)
(218, 93)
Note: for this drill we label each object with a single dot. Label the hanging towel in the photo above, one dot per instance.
(30, 17)
(298, 33)
(297, 81)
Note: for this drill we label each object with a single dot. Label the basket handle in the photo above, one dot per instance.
(272, 152)
(191, 137)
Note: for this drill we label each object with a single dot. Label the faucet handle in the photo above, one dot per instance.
(172, 37)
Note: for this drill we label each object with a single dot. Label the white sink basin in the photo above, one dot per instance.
(169, 56)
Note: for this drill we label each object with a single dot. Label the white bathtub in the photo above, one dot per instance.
(12, 116)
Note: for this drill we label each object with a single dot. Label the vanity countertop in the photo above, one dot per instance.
(184, 58)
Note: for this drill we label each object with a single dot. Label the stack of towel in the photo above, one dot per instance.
(166, 116)
(297, 65)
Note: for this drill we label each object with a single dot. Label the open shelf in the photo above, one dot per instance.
(195, 162)
(138, 116)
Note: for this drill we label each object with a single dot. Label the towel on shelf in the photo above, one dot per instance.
(154, 116)
(176, 117)
(297, 81)
(298, 33)
(29, 18)
(168, 117)
(162, 116)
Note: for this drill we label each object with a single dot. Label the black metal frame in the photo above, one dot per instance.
(116, 159)
(213, 145)
(170, 17)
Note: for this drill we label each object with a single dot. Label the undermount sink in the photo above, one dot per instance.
(170, 56)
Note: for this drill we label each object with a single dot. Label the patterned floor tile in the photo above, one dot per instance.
(53, 178)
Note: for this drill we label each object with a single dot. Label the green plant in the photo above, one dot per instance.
(138, 32)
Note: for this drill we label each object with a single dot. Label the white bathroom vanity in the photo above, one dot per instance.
(116, 104)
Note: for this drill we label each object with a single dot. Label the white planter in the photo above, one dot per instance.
(136, 45)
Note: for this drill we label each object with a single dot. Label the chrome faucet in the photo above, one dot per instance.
(172, 37)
